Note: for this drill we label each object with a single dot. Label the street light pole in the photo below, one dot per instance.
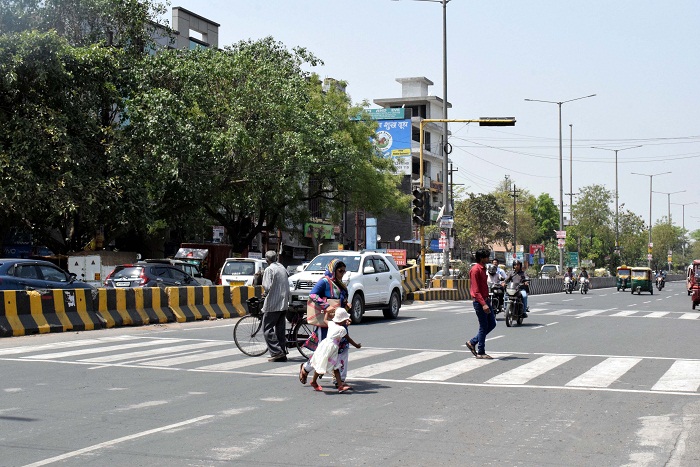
(669, 201)
(617, 199)
(684, 205)
(445, 146)
(651, 178)
(561, 177)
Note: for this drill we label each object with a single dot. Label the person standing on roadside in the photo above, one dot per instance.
(480, 294)
(276, 290)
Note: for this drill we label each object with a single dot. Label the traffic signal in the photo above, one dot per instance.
(421, 207)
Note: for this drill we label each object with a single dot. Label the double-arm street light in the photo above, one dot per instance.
(561, 177)
(617, 199)
(684, 205)
(669, 200)
(651, 178)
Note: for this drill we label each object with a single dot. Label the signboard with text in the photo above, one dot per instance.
(393, 139)
(399, 256)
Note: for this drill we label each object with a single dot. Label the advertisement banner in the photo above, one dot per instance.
(318, 231)
(393, 139)
(399, 256)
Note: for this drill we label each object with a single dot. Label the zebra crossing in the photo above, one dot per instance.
(655, 375)
(615, 313)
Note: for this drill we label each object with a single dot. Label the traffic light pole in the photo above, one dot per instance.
(504, 121)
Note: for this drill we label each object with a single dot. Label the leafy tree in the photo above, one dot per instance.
(593, 229)
(666, 237)
(633, 235)
(480, 221)
(523, 222)
(546, 216)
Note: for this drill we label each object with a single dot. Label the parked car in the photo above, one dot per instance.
(549, 270)
(29, 274)
(190, 268)
(144, 274)
(372, 279)
(240, 271)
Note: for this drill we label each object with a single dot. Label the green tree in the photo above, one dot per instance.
(633, 235)
(546, 216)
(666, 237)
(593, 225)
(523, 222)
(480, 221)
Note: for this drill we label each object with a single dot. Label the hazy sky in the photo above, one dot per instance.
(640, 58)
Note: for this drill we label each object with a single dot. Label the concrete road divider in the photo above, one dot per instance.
(410, 280)
(133, 306)
(33, 312)
(211, 302)
(240, 296)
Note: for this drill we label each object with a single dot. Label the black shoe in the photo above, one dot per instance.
(278, 358)
(524, 315)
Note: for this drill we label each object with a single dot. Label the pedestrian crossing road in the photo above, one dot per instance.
(655, 375)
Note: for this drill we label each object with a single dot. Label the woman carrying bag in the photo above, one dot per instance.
(328, 295)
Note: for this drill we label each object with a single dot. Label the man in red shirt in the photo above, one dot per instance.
(480, 293)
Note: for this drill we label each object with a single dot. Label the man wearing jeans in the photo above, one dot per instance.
(276, 287)
(480, 294)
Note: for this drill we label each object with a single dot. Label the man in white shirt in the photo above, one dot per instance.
(276, 288)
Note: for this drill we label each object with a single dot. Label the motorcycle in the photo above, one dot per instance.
(568, 285)
(497, 295)
(584, 285)
(660, 282)
(514, 305)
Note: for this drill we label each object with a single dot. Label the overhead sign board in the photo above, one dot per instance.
(447, 222)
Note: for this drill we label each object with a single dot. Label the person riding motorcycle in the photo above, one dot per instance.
(495, 278)
(518, 278)
(572, 278)
(583, 276)
(661, 276)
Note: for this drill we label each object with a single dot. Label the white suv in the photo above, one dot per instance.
(240, 271)
(373, 281)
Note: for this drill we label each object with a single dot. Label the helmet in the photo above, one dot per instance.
(491, 269)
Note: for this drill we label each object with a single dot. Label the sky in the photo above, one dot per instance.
(640, 58)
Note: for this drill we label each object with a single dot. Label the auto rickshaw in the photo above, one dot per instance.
(641, 280)
(695, 283)
(623, 277)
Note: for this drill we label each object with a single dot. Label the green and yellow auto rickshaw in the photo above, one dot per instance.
(641, 281)
(623, 277)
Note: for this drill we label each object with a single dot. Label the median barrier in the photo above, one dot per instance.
(461, 285)
(209, 302)
(410, 280)
(434, 294)
(37, 312)
(240, 296)
(133, 306)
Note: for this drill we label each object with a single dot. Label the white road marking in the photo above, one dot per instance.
(110, 348)
(656, 314)
(591, 313)
(528, 371)
(406, 321)
(355, 355)
(560, 312)
(148, 353)
(690, 316)
(568, 300)
(455, 369)
(172, 361)
(551, 324)
(625, 313)
(61, 345)
(684, 375)
(604, 373)
(113, 442)
(376, 368)
(648, 301)
(233, 364)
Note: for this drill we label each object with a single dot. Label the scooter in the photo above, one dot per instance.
(514, 305)
(584, 285)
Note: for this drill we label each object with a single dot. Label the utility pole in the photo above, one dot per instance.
(514, 194)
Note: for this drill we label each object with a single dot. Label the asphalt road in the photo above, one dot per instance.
(604, 379)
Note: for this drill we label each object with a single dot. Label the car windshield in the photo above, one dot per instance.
(127, 273)
(319, 263)
(241, 268)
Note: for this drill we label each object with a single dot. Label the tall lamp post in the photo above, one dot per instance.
(669, 201)
(684, 205)
(651, 178)
(617, 199)
(445, 152)
(561, 177)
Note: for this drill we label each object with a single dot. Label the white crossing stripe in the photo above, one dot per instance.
(374, 369)
(605, 373)
(624, 313)
(355, 355)
(560, 312)
(446, 372)
(689, 316)
(233, 365)
(172, 361)
(525, 373)
(656, 314)
(110, 348)
(591, 313)
(61, 345)
(684, 375)
(148, 353)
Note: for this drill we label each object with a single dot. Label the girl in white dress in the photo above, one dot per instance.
(325, 358)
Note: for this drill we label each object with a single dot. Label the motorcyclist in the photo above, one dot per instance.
(583, 276)
(518, 277)
(570, 274)
(662, 276)
(496, 276)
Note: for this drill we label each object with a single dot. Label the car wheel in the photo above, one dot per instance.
(358, 308)
(394, 304)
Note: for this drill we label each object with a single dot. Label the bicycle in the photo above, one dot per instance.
(248, 331)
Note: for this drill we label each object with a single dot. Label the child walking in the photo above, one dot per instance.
(326, 357)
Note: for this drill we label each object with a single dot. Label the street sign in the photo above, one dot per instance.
(649, 257)
(670, 259)
(573, 259)
(561, 233)
(651, 245)
(447, 222)
(561, 242)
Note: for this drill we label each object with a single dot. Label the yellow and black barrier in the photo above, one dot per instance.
(410, 280)
(133, 306)
(434, 294)
(196, 303)
(33, 312)
(240, 296)
(462, 285)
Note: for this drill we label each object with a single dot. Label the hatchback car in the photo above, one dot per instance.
(149, 275)
(189, 268)
(28, 274)
(240, 271)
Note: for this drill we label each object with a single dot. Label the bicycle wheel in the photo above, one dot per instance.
(302, 331)
(248, 336)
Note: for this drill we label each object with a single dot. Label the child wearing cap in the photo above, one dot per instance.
(325, 358)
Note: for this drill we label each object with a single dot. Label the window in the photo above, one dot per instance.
(52, 274)
(178, 275)
(161, 272)
(26, 271)
(241, 268)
